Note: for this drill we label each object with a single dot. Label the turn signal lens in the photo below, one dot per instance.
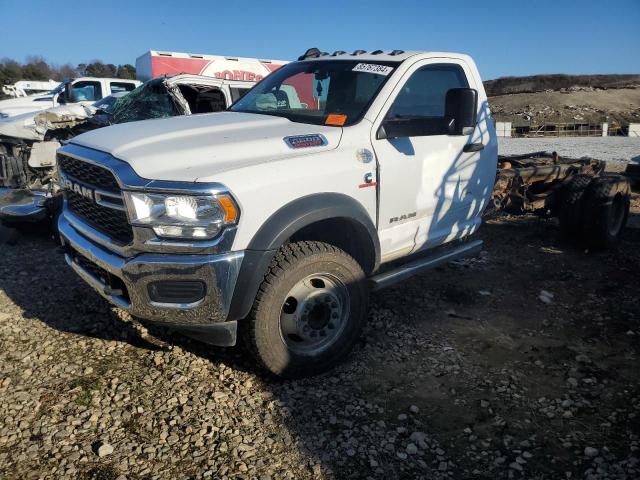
(230, 211)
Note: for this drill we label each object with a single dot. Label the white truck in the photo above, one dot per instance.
(28, 187)
(336, 175)
(24, 88)
(85, 90)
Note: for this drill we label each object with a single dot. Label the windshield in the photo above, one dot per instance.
(59, 88)
(106, 104)
(149, 100)
(326, 92)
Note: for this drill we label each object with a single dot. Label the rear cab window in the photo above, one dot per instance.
(117, 87)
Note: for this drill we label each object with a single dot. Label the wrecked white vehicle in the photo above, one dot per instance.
(85, 90)
(28, 142)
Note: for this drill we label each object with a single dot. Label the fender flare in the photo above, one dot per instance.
(279, 227)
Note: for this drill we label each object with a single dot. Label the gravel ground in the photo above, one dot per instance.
(520, 363)
(611, 149)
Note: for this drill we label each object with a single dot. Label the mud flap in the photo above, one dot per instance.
(20, 205)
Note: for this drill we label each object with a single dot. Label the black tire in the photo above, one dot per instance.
(632, 172)
(291, 266)
(571, 211)
(606, 209)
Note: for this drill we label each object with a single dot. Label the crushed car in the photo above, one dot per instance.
(28, 142)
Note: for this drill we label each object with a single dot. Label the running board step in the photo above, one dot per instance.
(427, 262)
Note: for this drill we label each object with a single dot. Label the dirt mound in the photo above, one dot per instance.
(619, 105)
(541, 83)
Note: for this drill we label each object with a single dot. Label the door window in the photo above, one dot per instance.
(86, 91)
(117, 87)
(422, 98)
(238, 93)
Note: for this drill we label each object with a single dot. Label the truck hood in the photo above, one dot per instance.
(199, 146)
(34, 125)
(31, 103)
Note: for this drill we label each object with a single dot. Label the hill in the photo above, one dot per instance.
(617, 105)
(550, 99)
(541, 83)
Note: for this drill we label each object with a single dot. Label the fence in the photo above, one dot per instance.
(507, 129)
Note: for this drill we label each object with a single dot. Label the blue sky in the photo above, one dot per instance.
(504, 37)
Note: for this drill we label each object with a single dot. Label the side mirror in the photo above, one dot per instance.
(460, 111)
(65, 95)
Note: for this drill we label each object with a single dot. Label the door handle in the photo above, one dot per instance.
(473, 147)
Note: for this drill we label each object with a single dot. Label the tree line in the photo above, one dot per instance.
(37, 68)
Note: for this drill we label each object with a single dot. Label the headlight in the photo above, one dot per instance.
(197, 217)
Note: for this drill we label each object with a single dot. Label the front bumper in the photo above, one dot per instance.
(125, 282)
(21, 205)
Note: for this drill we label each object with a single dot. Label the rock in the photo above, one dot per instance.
(414, 409)
(104, 450)
(591, 452)
(411, 449)
(582, 359)
(545, 297)
(219, 395)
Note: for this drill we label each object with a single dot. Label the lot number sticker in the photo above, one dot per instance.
(373, 68)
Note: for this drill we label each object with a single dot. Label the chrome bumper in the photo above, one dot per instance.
(218, 272)
(23, 205)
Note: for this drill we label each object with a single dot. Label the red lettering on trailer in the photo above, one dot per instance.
(238, 75)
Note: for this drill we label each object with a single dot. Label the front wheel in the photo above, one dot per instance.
(309, 310)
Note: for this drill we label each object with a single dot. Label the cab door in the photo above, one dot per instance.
(430, 188)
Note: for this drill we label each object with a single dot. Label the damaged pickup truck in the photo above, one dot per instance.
(28, 142)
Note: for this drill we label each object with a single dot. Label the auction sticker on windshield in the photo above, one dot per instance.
(373, 68)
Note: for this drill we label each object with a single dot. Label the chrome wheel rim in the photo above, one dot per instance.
(314, 314)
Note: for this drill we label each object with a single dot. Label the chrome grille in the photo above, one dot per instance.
(113, 222)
